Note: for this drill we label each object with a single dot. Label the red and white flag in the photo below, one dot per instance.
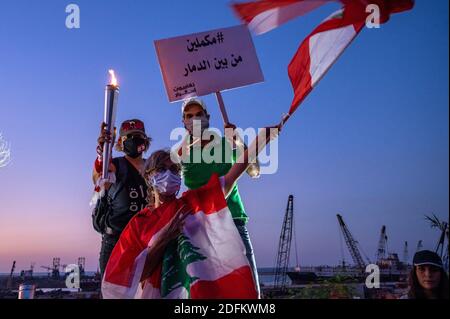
(207, 261)
(262, 16)
(318, 52)
(265, 15)
(321, 49)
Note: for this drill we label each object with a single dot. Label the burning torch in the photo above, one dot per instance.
(111, 98)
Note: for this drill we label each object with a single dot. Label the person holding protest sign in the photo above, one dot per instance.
(125, 192)
(207, 260)
(197, 170)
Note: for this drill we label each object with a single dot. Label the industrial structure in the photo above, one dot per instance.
(441, 244)
(419, 245)
(406, 254)
(54, 270)
(382, 245)
(352, 245)
(284, 247)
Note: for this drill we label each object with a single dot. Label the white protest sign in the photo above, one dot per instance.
(203, 63)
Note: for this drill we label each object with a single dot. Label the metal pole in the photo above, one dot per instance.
(222, 108)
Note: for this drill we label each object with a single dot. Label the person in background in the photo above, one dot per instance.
(428, 279)
(127, 195)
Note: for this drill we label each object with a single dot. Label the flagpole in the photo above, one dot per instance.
(222, 108)
(253, 170)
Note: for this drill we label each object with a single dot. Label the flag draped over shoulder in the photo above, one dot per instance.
(207, 261)
(321, 49)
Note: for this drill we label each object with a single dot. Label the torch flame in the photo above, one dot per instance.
(113, 78)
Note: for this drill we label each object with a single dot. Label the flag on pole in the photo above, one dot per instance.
(321, 49)
(265, 15)
(262, 16)
(207, 261)
(318, 52)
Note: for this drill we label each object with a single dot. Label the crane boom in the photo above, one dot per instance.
(284, 246)
(352, 244)
(381, 253)
(419, 245)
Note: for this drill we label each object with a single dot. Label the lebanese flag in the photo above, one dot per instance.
(357, 9)
(321, 49)
(318, 52)
(265, 15)
(262, 16)
(207, 261)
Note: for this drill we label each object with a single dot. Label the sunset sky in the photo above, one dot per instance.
(370, 142)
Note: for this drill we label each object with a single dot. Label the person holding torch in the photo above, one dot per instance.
(121, 190)
(125, 195)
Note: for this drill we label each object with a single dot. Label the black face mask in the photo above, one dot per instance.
(134, 147)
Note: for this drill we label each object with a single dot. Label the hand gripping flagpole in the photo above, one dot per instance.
(253, 169)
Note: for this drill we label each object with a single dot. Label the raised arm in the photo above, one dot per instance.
(249, 156)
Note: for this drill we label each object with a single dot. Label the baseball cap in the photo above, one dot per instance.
(427, 257)
(132, 126)
(191, 101)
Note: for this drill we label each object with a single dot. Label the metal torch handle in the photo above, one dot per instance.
(111, 97)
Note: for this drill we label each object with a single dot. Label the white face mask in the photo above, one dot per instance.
(200, 120)
(166, 183)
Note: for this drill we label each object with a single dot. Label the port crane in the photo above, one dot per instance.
(406, 254)
(381, 252)
(419, 245)
(81, 264)
(29, 272)
(54, 270)
(441, 243)
(352, 245)
(284, 247)
(9, 283)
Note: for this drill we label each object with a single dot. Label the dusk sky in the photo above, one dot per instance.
(371, 142)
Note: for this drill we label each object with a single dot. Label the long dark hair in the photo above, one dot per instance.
(416, 291)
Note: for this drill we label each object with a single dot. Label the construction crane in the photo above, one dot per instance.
(10, 278)
(28, 274)
(381, 252)
(352, 245)
(419, 246)
(405, 254)
(54, 270)
(49, 269)
(441, 243)
(284, 247)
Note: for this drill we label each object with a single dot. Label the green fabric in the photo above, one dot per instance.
(196, 174)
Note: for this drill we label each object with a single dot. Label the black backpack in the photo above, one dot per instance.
(102, 207)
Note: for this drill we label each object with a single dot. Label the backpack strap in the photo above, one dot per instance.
(121, 175)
